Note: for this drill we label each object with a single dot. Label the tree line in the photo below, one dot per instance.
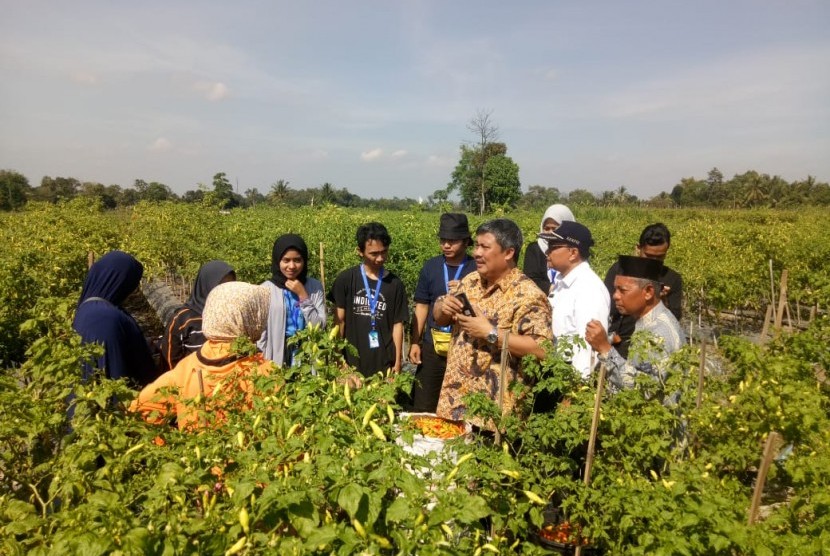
(484, 180)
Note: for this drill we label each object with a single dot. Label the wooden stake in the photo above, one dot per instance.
(700, 372)
(767, 322)
(798, 312)
(774, 440)
(90, 259)
(789, 318)
(771, 288)
(813, 311)
(592, 439)
(782, 300)
(322, 267)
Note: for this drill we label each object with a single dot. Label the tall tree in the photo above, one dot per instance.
(501, 176)
(14, 190)
(56, 189)
(279, 192)
(253, 197)
(468, 180)
(222, 195)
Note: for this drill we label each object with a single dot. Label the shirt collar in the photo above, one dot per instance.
(568, 279)
(508, 278)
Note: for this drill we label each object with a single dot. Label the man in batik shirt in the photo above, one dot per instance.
(507, 305)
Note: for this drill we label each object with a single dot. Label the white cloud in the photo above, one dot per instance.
(369, 156)
(399, 153)
(84, 78)
(213, 91)
(161, 144)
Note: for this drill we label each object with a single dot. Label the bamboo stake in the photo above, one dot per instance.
(798, 312)
(773, 441)
(700, 372)
(90, 259)
(789, 318)
(771, 288)
(767, 321)
(813, 311)
(322, 267)
(782, 300)
(592, 439)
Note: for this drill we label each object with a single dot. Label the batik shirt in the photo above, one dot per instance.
(513, 303)
(668, 337)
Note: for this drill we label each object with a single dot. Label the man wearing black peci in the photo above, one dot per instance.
(654, 243)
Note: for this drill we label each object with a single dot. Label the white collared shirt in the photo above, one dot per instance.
(578, 298)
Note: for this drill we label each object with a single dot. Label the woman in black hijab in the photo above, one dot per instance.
(296, 299)
(183, 334)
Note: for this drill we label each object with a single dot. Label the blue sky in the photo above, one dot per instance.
(375, 96)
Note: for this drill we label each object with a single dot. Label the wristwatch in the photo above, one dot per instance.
(493, 336)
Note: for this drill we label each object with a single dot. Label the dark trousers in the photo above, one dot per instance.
(428, 380)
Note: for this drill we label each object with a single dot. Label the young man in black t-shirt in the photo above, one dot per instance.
(438, 277)
(371, 305)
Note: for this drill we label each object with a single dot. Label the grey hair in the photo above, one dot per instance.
(645, 282)
(507, 234)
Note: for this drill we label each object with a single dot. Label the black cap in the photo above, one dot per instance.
(454, 225)
(572, 234)
(640, 267)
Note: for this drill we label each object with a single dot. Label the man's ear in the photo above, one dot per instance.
(509, 254)
(638, 250)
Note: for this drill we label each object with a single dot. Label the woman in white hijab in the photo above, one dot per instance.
(536, 262)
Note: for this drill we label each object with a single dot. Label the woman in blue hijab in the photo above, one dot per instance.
(100, 319)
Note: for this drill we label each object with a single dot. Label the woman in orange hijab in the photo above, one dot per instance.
(232, 310)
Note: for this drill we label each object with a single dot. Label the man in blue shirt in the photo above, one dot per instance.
(428, 341)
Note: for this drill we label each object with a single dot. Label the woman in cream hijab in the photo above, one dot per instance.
(232, 310)
(536, 262)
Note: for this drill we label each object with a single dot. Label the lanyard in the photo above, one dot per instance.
(457, 273)
(447, 285)
(373, 298)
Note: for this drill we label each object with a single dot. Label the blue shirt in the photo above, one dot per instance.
(431, 285)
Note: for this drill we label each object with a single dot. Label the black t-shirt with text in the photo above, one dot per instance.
(349, 293)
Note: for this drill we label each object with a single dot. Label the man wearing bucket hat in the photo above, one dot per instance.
(429, 343)
(578, 295)
(637, 293)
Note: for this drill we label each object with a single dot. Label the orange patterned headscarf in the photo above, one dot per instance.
(236, 309)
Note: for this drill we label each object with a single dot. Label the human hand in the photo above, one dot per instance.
(451, 306)
(475, 327)
(297, 288)
(415, 354)
(597, 337)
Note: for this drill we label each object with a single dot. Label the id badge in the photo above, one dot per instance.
(374, 340)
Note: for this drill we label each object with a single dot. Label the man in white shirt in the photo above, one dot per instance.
(578, 295)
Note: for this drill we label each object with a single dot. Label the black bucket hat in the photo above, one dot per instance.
(454, 225)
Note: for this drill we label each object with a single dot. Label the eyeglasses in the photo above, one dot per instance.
(552, 248)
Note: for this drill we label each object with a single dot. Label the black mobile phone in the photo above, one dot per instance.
(467, 309)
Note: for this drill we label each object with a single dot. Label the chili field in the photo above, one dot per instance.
(318, 468)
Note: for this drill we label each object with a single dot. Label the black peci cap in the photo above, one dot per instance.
(640, 267)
